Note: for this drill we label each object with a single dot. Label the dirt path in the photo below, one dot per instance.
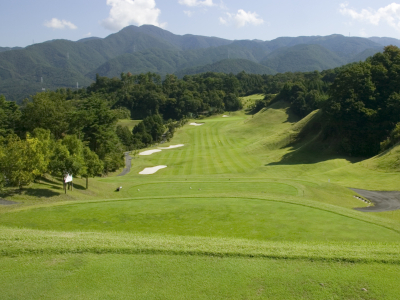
(5, 202)
(382, 200)
(127, 168)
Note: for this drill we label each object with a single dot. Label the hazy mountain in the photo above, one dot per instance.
(385, 41)
(88, 39)
(302, 58)
(342, 46)
(63, 63)
(228, 66)
(365, 54)
(183, 42)
(2, 49)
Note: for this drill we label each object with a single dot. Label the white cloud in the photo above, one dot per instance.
(223, 21)
(89, 34)
(222, 5)
(128, 12)
(188, 13)
(59, 24)
(389, 14)
(242, 19)
(197, 2)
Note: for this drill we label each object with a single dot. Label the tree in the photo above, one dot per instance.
(125, 136)
(46, 147)
(94, 165)
(22, 160)
(47, 110)
(68, 157)
(2, 177)
(9, 116)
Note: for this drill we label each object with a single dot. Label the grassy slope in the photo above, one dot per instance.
(129, 123)
(236, 191)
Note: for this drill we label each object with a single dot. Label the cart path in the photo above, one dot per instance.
(6, 202)
(127, 168)
(382, 200)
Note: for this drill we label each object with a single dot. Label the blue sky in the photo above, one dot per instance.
(26, 21)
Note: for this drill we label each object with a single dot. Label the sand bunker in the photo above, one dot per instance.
(171, 147)
(196, 124)
(148, 171)
(149, 152)
(225, 116)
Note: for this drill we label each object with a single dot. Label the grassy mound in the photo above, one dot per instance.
(388, 161)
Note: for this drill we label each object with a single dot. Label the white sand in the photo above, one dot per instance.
(149, 152)
(171, 147)
(225, 116)
(148, 171)
(196, 124)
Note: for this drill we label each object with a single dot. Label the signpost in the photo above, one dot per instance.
(68, 180)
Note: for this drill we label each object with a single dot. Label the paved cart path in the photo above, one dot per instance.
(382, 200)
(128, 162)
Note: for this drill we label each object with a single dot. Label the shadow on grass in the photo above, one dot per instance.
(294, 159)
(312, 151)
(79, 187)
(40, 193)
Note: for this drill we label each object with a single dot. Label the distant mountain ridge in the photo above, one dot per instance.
(63, 63)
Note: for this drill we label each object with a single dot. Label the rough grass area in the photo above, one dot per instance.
(17, 242)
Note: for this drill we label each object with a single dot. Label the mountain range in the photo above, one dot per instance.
(64, 63)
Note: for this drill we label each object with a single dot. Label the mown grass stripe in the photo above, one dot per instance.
(214, 168)
(218, 152)
(233, 156)
(227, 163)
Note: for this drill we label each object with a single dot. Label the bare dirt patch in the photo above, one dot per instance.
(382, 200)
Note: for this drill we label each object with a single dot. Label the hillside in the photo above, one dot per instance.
(228, 66)
(385, 41)
(302, 58)
(2, 49)
(388, 161)
(362, 56)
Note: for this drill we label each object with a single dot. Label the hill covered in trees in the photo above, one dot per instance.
(77, 132)
(63, 63)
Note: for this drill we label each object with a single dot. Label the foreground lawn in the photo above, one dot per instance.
(90, 276)
(209, 217)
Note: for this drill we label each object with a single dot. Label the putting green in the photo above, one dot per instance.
(219, 217)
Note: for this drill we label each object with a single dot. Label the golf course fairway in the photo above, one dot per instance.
(248, 208)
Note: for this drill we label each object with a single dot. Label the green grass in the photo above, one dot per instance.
(182, 277)
(226, 217)
(248, 101)
(240, 212)
(129, 123)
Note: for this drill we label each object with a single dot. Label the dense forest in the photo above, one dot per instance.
(76, 132)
